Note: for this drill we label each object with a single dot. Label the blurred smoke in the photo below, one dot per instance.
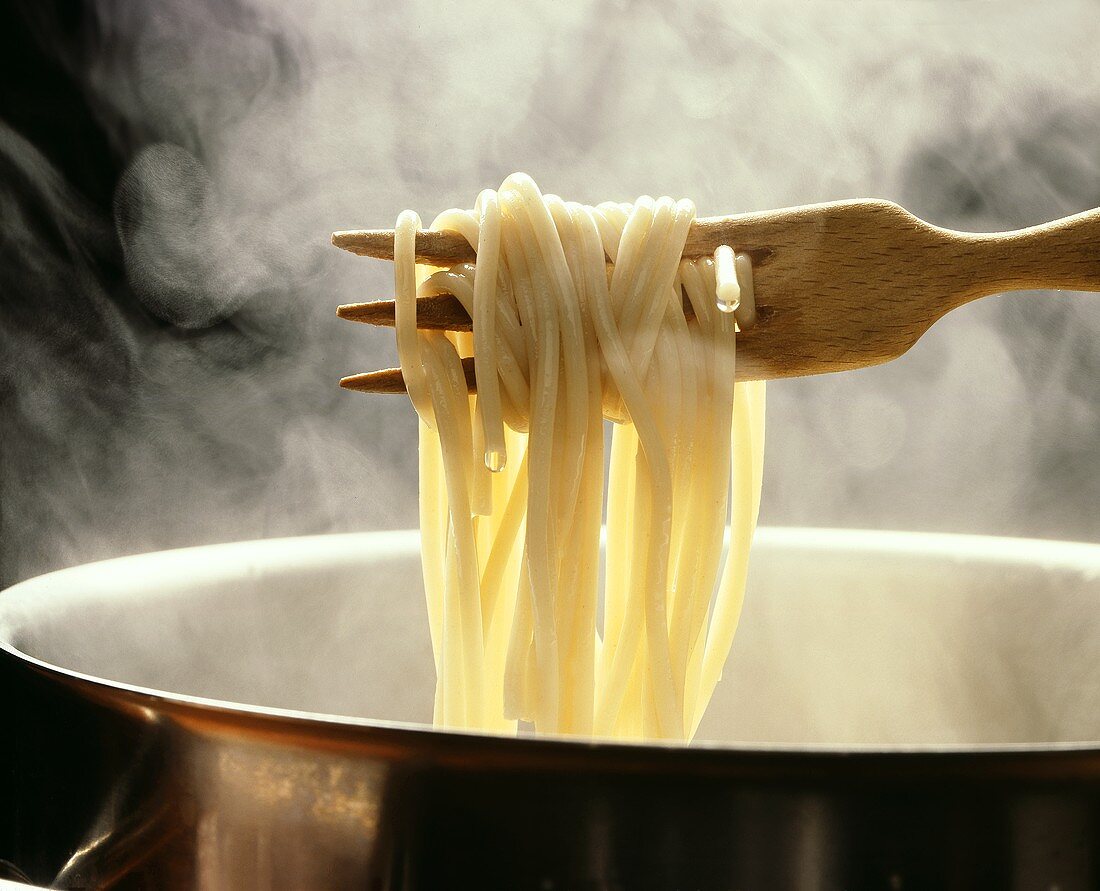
(181, 255)
(168, 287)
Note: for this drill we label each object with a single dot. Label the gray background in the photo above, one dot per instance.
(205, 406)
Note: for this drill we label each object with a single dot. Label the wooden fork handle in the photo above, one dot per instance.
(1060, 255)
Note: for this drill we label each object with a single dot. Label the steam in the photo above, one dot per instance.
(180, 255)
(174, 352)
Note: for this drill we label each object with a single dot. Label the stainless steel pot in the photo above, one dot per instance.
(900, 711)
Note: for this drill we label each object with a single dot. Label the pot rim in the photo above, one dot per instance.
(315, 730)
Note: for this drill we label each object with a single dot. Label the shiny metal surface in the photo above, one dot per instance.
(900, 711)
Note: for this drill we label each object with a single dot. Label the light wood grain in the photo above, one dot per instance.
(850, 284)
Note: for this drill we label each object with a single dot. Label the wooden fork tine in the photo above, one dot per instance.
(439, 248)
(390, 380)
(442, 312)
(445, 247)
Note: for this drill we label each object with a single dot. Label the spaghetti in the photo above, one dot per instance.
(527, 622)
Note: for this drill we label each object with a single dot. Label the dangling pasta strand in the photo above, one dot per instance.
(512, 480)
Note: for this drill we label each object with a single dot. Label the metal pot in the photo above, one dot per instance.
(900, 711)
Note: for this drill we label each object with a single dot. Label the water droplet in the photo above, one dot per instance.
(495, 460)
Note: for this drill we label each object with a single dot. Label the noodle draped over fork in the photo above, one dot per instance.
(528, 623)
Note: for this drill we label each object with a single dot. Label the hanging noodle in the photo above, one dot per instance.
(512, 479)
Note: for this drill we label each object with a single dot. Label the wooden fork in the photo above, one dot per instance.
(838, 286)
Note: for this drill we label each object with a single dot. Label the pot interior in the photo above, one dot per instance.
(847, 638)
